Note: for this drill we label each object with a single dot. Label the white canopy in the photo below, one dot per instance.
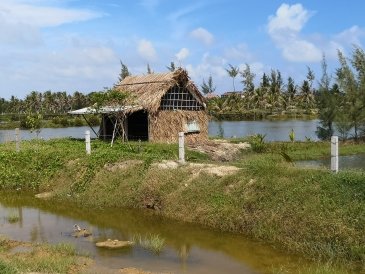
(103, 110)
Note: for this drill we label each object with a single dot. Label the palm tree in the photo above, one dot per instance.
(233, 72)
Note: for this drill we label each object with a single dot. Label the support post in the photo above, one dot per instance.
(181, 148)
(17, 140)
(334, 154)
(87, 141)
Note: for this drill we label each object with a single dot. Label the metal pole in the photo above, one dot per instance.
(87, 141)
(334, 154)
(17, 140)
(181, 148)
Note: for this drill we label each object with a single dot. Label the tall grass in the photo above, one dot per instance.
(151, 242)
(13, 217)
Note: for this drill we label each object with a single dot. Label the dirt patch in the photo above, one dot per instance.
(122, 165)
(220, 150)
(218, 170)
(165, 164)
(196, 168)
(72, 163)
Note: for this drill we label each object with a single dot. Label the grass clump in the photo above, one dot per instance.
(152, 242)
(13, 217)
(42, 258)
(7, 268)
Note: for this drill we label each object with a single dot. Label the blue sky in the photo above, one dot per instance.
(69, 45)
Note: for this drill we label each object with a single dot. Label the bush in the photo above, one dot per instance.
(94, 120)
(258, 143)
(64, 122)
(77, 122)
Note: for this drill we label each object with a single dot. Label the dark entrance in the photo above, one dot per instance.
(138, 126)
(107, 127)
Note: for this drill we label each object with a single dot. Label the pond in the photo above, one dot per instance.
(274, 130)
(188, 249)
(47, 133)
(344, 162)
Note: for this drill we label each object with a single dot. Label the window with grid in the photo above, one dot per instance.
(179, 98)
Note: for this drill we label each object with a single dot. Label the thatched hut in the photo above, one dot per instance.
(163, 104)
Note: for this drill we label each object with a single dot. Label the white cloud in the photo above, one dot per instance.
(16, 12)
(287, 17)
(146, 50)
(21, 21)
(284, 28)
(182, 54)
(202, 35)
(70, 69)
(239, 53)
(351, 35)
(150, 5)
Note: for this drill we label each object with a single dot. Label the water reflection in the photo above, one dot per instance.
(189, 248)
(274, 130)
(345, 162)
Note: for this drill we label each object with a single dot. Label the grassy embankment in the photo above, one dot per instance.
(312, 212)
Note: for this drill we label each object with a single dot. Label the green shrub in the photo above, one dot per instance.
(258, 143)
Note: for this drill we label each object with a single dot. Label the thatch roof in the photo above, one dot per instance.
(147, 90)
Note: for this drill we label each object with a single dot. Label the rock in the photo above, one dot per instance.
(80, 232)
(44, 195)
(114, 244)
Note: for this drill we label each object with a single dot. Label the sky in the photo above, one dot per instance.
(77, 45)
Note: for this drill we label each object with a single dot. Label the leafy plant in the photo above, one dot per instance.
(292, 136)
(258, 143)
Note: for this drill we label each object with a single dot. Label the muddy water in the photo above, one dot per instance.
(188, 249)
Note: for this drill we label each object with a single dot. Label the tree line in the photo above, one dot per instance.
(338, 99)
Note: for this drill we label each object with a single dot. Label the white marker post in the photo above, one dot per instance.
(181, 148)
(17, 140)
(334, 154)
(87, 141)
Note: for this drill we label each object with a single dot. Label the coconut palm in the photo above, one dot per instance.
(233, 72)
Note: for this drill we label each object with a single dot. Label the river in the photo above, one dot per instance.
(189, 248)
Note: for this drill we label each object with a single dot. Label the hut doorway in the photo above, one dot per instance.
(107, 127)
(138, 126)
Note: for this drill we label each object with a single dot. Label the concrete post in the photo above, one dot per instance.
(87, 141)
(334, 154)
(181, 148)
(17, 140)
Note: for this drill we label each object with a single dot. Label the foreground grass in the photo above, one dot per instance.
(312, 212)
(40, 258)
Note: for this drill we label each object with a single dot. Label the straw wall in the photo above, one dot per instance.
(164, 126)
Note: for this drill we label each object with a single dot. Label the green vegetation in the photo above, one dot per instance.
(13, 217)
(151, 242)
(40, 258)
(311, 212)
